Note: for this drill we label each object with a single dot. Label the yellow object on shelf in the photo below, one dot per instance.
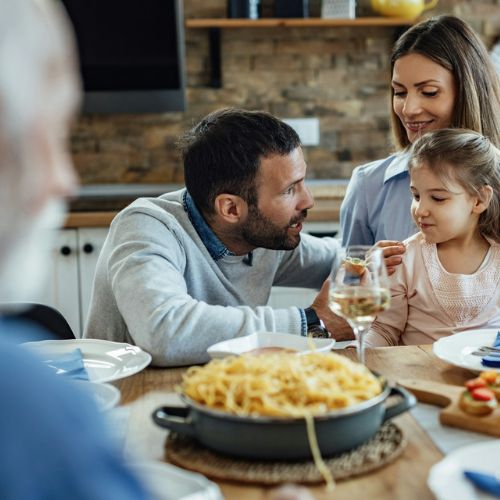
(406, 9)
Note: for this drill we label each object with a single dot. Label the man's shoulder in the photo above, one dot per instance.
(167, 208)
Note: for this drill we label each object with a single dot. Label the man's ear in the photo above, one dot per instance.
(483, 200)
(230, 207)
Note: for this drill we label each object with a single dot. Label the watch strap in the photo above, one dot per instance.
(312, 319)
(315, 327)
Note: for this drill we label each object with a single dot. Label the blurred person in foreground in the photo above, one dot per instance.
(53, 442)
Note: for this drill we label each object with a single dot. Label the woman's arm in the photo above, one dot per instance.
(354, 226)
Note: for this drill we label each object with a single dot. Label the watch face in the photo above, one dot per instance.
(318, 332)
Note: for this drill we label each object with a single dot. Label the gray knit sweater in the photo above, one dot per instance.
(158, 287)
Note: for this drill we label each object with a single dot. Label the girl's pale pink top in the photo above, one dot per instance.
(428, 302)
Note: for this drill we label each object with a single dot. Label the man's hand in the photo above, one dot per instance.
(337, 327)
(392, 251)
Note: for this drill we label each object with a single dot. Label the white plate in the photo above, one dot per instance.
(103, 360)
(446, 479)
(167, 482)
(456, 349)
(107, 396)
(259, 340)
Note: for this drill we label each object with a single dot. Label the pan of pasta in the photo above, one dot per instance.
(282, 406)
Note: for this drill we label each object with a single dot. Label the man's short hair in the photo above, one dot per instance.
(222, 154)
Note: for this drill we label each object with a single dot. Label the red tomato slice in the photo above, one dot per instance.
(482, 394)
(475, 383)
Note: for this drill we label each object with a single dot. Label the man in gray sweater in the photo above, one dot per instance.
(193, 267)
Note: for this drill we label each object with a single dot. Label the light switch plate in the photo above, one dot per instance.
(307, 128)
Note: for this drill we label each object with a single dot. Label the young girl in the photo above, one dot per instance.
(449, 280)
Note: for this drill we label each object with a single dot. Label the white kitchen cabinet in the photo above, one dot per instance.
(62, 285)
(72, 267)
(283, 297)
(90, 240)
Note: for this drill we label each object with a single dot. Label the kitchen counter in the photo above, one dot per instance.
(97, 205)
(89, 219)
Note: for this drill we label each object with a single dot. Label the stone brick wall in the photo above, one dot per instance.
(339, 75)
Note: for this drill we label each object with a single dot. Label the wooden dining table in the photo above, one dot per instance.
(405, 478)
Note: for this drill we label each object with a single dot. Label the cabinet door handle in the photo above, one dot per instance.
(65, 250)
(88, 248)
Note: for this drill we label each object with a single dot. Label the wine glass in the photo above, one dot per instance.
(359, 289)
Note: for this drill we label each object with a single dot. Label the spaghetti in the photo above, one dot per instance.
(283, 385)
(280, 385)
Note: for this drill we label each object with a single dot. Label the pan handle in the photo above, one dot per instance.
(407, 402)
(174, 418)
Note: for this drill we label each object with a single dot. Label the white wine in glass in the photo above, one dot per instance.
(359, 289)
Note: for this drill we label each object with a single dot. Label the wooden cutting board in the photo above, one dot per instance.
(447, 396)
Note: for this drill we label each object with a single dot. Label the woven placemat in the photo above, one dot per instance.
(380, 450)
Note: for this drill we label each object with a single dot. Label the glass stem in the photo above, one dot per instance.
(359, 331)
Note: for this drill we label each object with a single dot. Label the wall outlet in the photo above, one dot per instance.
(307, 128)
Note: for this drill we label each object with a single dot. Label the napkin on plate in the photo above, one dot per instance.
(69, 364)
(493, 359)
(485, 482)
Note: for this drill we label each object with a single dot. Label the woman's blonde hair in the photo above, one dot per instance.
(453, 44)
(466, 157)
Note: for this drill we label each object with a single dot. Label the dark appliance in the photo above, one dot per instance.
(291, 8)
(249, 9)
(131, 54)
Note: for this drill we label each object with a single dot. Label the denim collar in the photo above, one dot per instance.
(214, 246)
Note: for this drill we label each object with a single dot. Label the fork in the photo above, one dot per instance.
(485, 350)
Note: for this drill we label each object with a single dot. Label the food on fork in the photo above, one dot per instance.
(477, 399)
(354, 265)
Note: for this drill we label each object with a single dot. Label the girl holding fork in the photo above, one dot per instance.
(449, 280)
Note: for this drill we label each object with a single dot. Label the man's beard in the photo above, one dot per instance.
(25, 266)
(260, 232)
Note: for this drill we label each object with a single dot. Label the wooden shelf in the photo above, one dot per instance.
(296, 23)
(216, 24)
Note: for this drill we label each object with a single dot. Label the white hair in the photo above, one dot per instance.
(36, 48)
(31, 37)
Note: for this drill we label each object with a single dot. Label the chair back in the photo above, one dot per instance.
(47, 317)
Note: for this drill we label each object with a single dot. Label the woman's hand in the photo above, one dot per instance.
(392, 251)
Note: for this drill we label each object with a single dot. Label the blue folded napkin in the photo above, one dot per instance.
(485, 482)
(493, 359)
(68, 364)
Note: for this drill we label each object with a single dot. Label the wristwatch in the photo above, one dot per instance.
(315, 326)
